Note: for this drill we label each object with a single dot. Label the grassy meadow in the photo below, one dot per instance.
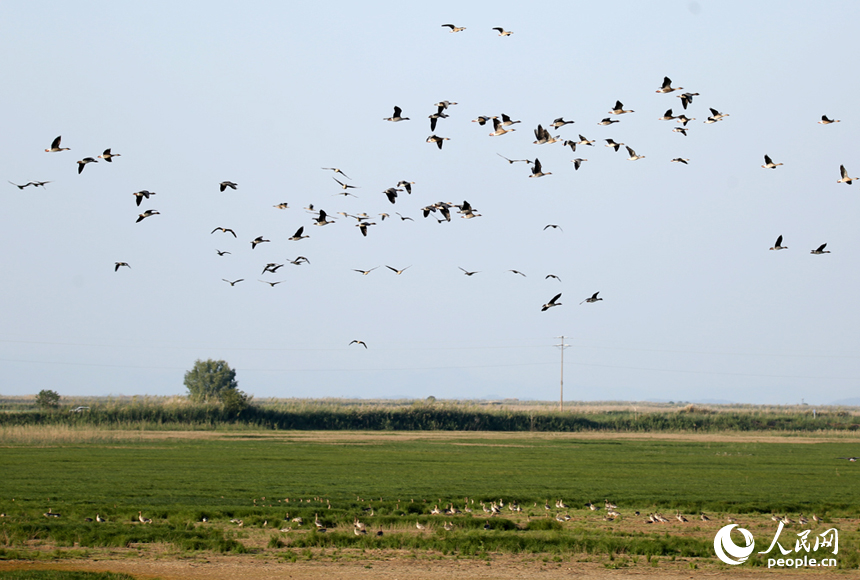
(391, 480)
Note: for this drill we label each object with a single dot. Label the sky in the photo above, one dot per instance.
(266, 94)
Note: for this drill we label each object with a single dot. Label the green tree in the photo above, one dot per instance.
(47, 399)
(234, 401)
(208, 380)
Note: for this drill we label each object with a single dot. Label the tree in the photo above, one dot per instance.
(47, 399)
(209, 379)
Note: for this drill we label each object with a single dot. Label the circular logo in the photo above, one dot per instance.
(726, 549)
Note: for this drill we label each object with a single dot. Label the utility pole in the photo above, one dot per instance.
(562, 346)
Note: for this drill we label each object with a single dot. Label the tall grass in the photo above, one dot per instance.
(178, 413)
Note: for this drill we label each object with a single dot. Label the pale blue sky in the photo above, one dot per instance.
(264, 94)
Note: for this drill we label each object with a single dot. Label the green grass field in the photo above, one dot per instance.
(178, 481)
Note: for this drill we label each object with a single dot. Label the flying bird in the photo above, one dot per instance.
(512, 161)
(619, 109)
(633, 156)
(506, 120)
(499, 128)
(225, 184)
(365, 272)
(537, 169)
(687, 98)
(502, 31)
(667, 116)
(336, 170)
(407, 185)
(768, 164)
(225, 230)
(140, 195)
(322, 220)
(517, 272)
(845, 178)
(553, 226)
(577, 163)
(593, 298)
(551, 303)
(468, 273)
(560, 122)
(439, 114)
(283, 205)
(298, 235)
(117, 265)
(257, 240)
(612, 143)
(548, 276)
(220, 253)
(454, 28)
(397, 116)
(146, 214)
(272, 284)
(391, 193)
(345, 185)
(437, 140)
(667, 86)
(608, 121)
(234, 282)
(362, 226)
(680, 160)
(824, 121)
(361, 342)
(398, 272)
(108, 156)
(83, 162)
(55, 146)
(820, 250)
(778, 245)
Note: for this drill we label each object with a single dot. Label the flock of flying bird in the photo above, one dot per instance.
(502, 124)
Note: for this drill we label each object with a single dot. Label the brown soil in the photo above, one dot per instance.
(400, 567)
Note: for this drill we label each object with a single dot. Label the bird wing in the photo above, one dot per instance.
(666, 83)
(779, 241)
(843, 172)
(397, 111)
(821, 248)
(554, 298)
(767, 160)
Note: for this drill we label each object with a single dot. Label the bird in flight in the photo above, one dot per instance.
(225, 230)
(83, 162)
(454, 28)
(517, 272)
(667, 116)
(768, 164)
(407, 185)
(404, 218)
(820, 250)
(680, 160)
(283, 205)
(146, 214)
(272, 284)
(553, 226)
(29, 183)
(548, 276)
(512, 161)
(220, 253)
(537, 169)
(667, 86)
(336, 170)
(687, 98)
(578, 162)
(257, 240)
(362, 226)
(322, 220)
(633, 156)
(225, 184)
(468, 273)
(502, 31)
(824, 121)
(551, 303)
(439, 114)
(499, 128)
(361, 342)
(842, 170)
(560, 122)
(271, 267)
(55, 146)
(398, 272)
(608, 121)
(117, 265)
(681, 130)
(593, 298)
(391, 193)
(345, 185)
(139, 195)
(365, 272)
(437, 140)
(612, 143)
(108, 156)
(619, 109)
(778, 245)
(397, 116)
(298, 235)
(234, 282)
